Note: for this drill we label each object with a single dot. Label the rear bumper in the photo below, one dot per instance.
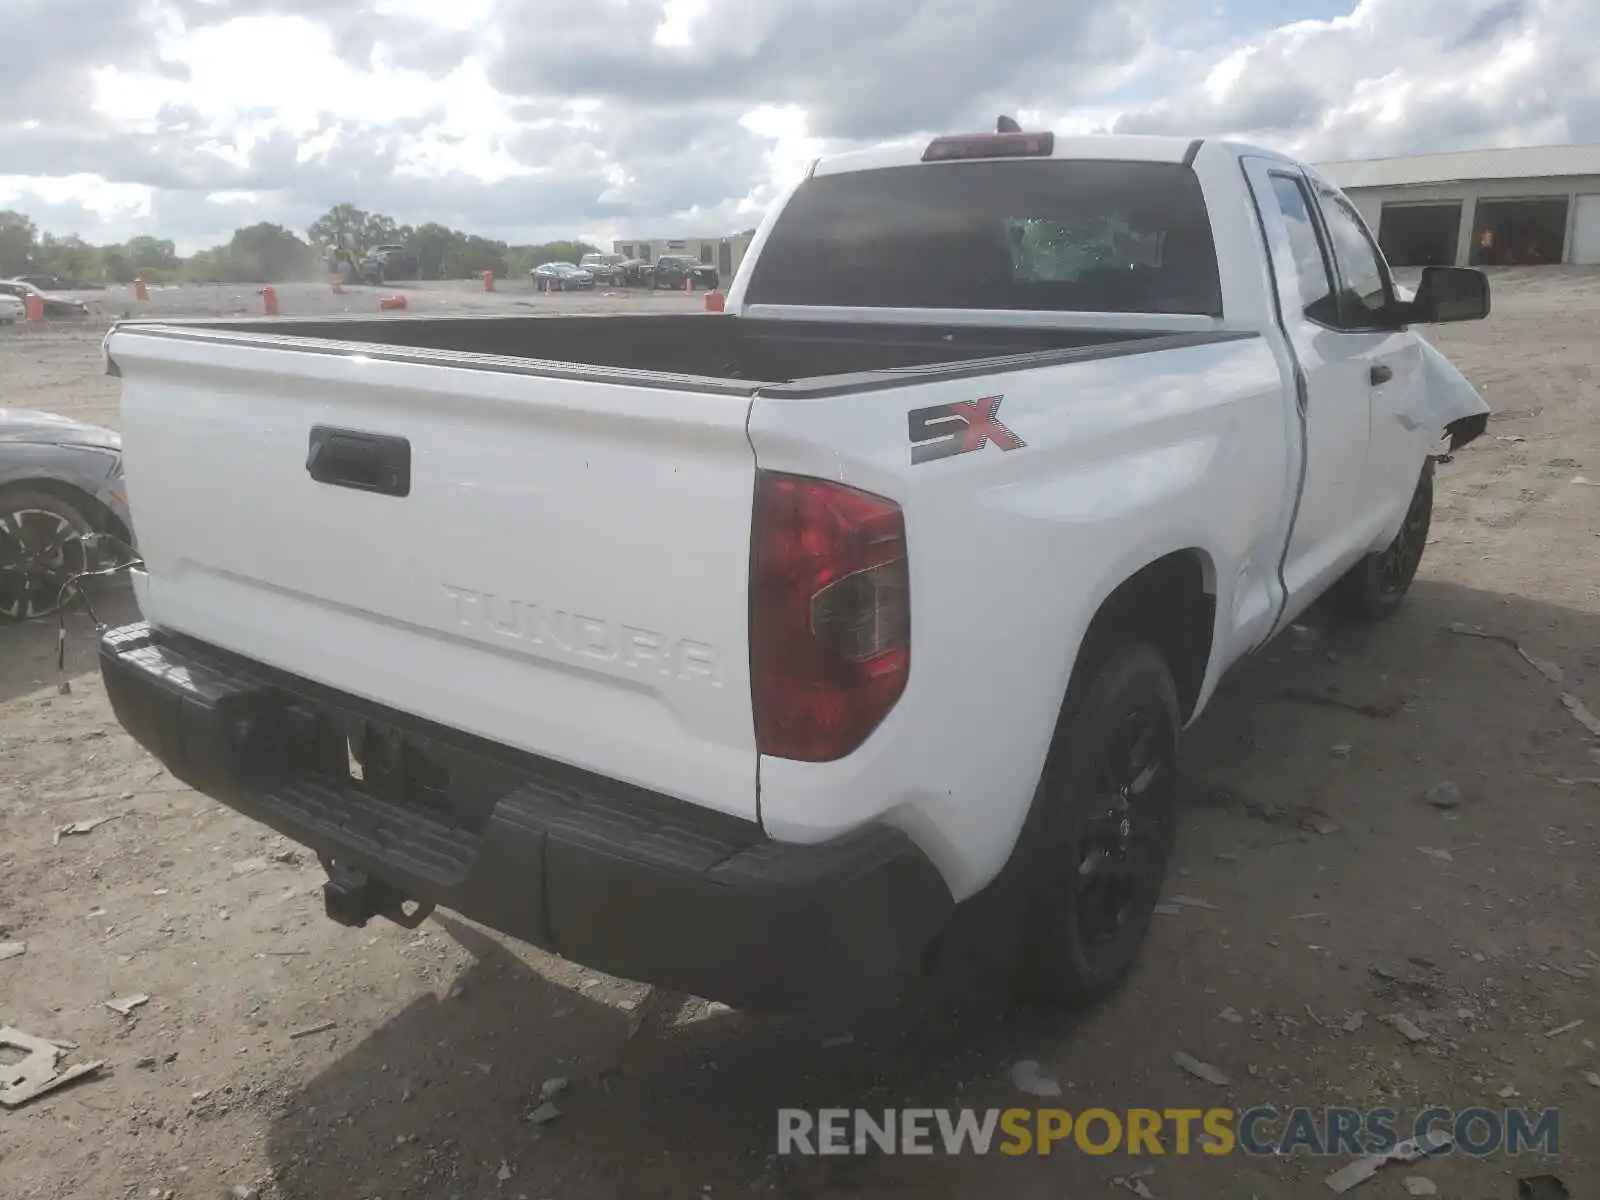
(609, 875)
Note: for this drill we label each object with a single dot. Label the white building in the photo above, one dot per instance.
(1529, 205)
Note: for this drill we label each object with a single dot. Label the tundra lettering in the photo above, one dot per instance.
(945, 430)
(582, 636)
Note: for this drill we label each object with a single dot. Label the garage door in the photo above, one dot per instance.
(1420, 235)
(1586, 231)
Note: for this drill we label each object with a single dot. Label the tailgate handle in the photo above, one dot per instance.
(368, 462)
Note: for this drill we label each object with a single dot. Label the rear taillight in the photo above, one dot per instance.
(830, 619)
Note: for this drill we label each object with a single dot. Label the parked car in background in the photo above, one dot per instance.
(12, 309)
(561, 277)
(47, 283)
(389, 264)
(55, 306)
(610, 269)
(60, 481)
(672, 270)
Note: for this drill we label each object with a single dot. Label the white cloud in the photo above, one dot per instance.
(528, 119)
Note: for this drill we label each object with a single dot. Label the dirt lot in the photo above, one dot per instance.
(1334, 887)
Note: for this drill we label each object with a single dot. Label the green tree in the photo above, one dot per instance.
(208, 266)
(114, 265)
(154, 255)
(268, 253)
(19, 242)
(69, 258)
(433, 244)
(522, 259)
(352, 228)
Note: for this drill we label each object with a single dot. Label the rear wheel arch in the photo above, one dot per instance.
(1164, 612)
(1170, 603)
(1152, 632)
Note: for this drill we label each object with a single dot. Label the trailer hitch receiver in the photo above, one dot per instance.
(351, 897)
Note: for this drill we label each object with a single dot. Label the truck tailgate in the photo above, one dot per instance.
(559, 566)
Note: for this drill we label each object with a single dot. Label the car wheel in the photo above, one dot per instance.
(1101, 841)
(41, 547)
(1375, 587)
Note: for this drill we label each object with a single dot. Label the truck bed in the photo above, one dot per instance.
(737, 355)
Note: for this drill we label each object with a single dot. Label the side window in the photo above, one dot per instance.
(1305, 243)
(1358, 259)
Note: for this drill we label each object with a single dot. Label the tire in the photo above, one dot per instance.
(32, 566)
(1377, 585)
(1107, 797)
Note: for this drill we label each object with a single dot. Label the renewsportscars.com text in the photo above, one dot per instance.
(1262, 1131)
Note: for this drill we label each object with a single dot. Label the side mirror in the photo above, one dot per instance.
(1450, 294)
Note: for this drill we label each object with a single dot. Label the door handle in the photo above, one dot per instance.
(1380, 373)
(367, 462)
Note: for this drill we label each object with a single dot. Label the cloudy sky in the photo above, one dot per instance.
(528, 119)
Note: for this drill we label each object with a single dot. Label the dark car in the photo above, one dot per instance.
(561, 277)
(389, 264)
(610, 270)
(54, 305)
(60, 481)
(672, 270)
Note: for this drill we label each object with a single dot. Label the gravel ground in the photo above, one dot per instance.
(1331, 887)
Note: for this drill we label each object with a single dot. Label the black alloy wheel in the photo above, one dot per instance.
(1109, 792)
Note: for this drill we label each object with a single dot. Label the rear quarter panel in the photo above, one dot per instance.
(1011, 552)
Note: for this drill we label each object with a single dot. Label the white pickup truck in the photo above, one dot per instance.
(792, 653)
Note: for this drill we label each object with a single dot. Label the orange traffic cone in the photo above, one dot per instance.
(488, 281)
(716, 301)
(141, 290)
(269, 301)
(333, 282)
(33, 307)
(392, 302)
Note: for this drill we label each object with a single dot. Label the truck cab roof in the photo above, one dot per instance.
(1108, 147)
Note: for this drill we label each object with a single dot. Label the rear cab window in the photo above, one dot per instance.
(1076, 235)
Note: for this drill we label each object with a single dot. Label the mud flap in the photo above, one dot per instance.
(1450, 403)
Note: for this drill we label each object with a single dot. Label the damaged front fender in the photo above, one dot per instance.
(1450, 403)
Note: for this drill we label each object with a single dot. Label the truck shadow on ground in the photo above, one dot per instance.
(28, 649)
(1303, 781)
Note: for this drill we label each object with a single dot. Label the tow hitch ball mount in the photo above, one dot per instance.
(353, 898)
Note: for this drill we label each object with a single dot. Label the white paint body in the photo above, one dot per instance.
(570, 574)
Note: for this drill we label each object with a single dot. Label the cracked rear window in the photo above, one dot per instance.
(1036, 235)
